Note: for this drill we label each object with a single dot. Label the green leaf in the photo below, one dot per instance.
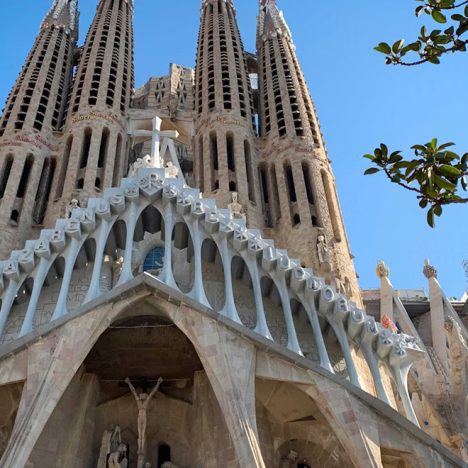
(369, 156)
(450, 171)
(437, 210)
(466, 10)
(430, 218)
(372, 170)
(438, 16)
(384, 48)
(398, 46)
(444, 183)
(423, 203)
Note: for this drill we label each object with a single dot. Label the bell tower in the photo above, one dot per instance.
(34, 111)
(299, 196)
(93, 151)
(225, 131)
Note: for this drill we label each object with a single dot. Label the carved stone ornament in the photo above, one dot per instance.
(429, 271)
(382, 270)
(236, 208)
(323, 251)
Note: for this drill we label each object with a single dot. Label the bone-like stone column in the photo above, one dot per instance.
(229, 362)
(52, 364)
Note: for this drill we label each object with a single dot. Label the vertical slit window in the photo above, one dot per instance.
(85, 148)
(230, 152)
(308, 183)
(23, 185)
(248, 170)
(290, 183)
(265, 195)
(43, 191)
(331, 206)
(103, 147)
(118, 156)
(64, 168)
(274, 193)
(201, 175)
(5, 174)
(214, 160)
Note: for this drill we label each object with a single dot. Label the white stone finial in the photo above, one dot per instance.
(429, 271)
(382, 270)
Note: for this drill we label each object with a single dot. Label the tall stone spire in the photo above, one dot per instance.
(34, 111)
(225, 155)
(298, 187)
(93, 153)
(63, 13)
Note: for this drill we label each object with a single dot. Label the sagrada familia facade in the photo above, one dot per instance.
(176, 283)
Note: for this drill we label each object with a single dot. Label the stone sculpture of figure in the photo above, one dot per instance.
(323, 251)
(110, 442)
(171, 170)
(141, 163)
(118, 459)
(142, 401)
(382, 270)
(236, 207)
(71, 206)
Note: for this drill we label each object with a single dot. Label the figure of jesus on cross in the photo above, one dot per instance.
(142, 401)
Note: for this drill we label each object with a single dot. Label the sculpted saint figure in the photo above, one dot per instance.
(236, 207)
(111, 439)
(71, 206)
(323, 250)
(118, 459)
(171, 170)
(142, 401)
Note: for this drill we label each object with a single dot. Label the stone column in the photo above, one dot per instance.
(229, 362)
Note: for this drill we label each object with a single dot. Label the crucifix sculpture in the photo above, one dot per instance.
(142, 401)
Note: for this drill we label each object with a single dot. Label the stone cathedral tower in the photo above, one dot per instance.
(94, 146)
(33, 114)
(225, 153)
(299, 195)
(150, 319)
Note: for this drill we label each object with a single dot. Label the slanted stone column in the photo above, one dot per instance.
(229, 362)
(436, 299)
(386, 291)
(52, 364)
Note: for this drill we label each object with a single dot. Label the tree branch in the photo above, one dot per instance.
(435, 7)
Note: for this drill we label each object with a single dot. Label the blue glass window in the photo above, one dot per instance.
(154, 260)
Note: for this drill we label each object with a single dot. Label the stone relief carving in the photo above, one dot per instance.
(236, 208)
(110, 442)
(118, 459)
(142, 401)
(324, 253)
(171, 170)
(74, 203)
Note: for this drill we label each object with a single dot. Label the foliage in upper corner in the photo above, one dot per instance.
(436, 174)
(431, 45)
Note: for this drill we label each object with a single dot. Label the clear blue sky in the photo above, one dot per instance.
(360, 101)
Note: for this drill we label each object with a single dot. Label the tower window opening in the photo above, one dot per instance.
(118, 157)
(290, 183)
(43, 190)
(265, 195)
(230, 152)
(214, 157)
(5, 174)
(64, 168)
(274, 195)
(332, 211)
(308, 183)
(103, 147)
(201, 175)
(23, 184)
(248, 170)
(85, 148)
